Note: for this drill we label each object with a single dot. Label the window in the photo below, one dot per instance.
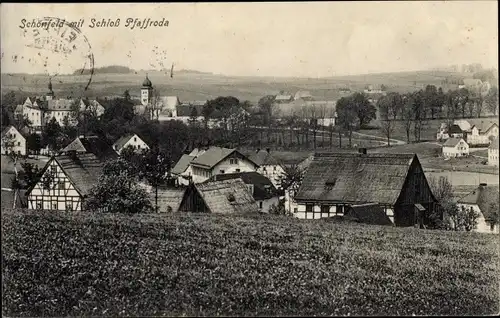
(222, 171)
(135, 139)
(54, 205)
(295, 210)
(19, 143)
(309, 207)
(69, 206)
(274, 168)
(39, 205)
(237, 170)
(260, 205)
(61, 185)
(325, 209)
(233, 161)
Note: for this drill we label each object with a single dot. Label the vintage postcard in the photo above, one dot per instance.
(250, 159)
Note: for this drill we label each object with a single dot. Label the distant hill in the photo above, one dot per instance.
(112, 69)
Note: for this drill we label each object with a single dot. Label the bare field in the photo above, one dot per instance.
(201, 86)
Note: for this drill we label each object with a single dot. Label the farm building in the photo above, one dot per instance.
(464, 125)
(91, 144)
(65, 182)
(484, 200)
(182, 170)
(493, 153)
(218, 160)
(130, 140)
(268, 166)
(335, 181)
(262, 189)
(169, 199)
(455, 147)
(13, 141)
(224, 197)
(369, 213)
(482, 134)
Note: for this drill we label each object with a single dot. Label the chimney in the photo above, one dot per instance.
(362, 151)
(268, 150)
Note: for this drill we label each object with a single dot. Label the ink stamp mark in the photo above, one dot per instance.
(62, 48)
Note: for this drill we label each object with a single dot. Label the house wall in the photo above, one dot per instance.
(61, 195)
(275, 173)
(34, 116)
(477, 138)
(227, 165)
(460, 150)
(482, 226)
(493, 157)
(318, 211)
(59, 115)
(265, 205)
(19, 141)
(136, 143)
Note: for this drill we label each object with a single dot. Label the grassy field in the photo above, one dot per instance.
(202, 86)
(59, 264)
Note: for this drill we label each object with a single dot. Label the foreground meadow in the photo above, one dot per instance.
(58, 264)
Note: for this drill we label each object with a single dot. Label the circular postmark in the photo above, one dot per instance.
(62, 49)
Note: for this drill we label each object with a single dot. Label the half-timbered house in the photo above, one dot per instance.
(335, 181)
(65, 182)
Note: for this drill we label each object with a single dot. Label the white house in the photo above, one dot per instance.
(268, 166)
(455, 147)
(13, 141)
(131, 140)
(484, 201)
(493, 153)
(218, 160)
(482, 134)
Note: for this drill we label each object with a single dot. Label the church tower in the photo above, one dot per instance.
(146, 91)
(50, 94)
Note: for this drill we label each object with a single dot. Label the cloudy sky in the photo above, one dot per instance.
(267, 39)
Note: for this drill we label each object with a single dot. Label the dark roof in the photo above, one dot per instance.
(147, 82)
(92, 144)
(455, 129)
(355, 178)
(168, 199)
(452, 142)
(370, 213)
(484, 197)
(262, 157)
(213, 156)
(83, 170)
(263, 188)
(227, 197)
(182, 164)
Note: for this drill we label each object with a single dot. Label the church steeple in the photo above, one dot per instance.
(146, 91)
(50, 94)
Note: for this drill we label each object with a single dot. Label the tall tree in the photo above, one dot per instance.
(365, 110)
(407, 116)
(417, 106)
(34, 143)
(491, 100)
(156, 170)
(386, 106)
(348, 118)
(52, 135)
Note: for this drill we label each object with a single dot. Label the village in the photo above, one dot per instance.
(216, 178)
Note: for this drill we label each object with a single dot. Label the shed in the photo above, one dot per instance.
(369, 213)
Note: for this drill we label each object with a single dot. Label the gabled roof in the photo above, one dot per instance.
(369, 213)
(227, 197)
(6, 130)
(355, 178)
(463, 124)
(118, 145)
(213, 156)
(19, 109)
(485, 127)
(263, 187)
(92, 144)
(169, 199)
(452, 142)
(485, 197)
(494, 144)
(182, 164)
(262, 157)
(455, 129)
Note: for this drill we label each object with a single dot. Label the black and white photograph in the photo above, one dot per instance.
(250, 159)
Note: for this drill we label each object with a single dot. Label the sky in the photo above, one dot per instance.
(319, 39)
